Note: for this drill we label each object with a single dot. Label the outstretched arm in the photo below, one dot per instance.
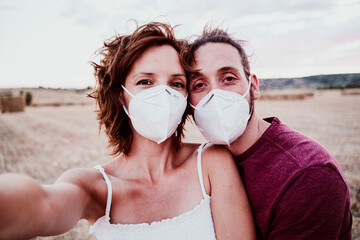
(29, 209)
(229, 203)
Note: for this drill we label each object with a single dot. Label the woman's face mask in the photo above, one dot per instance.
(156, 112)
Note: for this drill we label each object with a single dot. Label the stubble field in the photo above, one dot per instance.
(45, 141)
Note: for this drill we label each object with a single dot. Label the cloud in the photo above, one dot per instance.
(49, 43)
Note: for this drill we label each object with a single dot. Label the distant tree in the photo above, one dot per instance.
(28, 98)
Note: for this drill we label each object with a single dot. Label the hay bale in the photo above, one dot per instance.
(286, 96)
(350, 92)
(12, 104)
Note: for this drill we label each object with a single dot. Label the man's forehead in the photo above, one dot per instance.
(216, 48)
(216, 54)
(215, 58)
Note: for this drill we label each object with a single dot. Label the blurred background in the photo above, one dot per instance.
(49, 43)
(306, 53)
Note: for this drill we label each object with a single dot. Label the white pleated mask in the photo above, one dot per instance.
(156, 112)
(222, 116)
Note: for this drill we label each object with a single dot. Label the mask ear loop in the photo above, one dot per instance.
(127, 91)
(248, 89)
(124, 107)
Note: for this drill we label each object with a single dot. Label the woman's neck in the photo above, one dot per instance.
(148, 159)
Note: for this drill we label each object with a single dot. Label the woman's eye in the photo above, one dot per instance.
(178, 85)
(143, 82)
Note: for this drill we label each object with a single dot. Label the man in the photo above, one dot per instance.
(296, 188)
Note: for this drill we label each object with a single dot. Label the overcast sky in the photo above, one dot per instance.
(49, 43)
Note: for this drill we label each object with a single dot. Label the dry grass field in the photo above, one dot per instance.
(44, 141)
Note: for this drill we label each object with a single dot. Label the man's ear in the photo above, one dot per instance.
(255, 86)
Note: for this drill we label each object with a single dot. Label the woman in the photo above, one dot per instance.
(156, 187)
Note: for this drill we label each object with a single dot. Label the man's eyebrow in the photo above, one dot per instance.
(196, 74)
(226, 69)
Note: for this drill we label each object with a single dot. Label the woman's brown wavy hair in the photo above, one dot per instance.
(117, 57)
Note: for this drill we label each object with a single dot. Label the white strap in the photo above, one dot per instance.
(127, 91)
(109, 196)
(248, 89)
(200, 170)
(127, 113)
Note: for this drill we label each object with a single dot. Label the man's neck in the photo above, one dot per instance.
(254, 130)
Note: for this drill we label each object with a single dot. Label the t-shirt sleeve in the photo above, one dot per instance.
(315, 205)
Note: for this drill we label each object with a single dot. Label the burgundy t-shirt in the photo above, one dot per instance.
(295, 187)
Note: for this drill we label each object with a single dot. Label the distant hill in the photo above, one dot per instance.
(350, 80)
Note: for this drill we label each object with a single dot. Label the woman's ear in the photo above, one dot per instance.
(121, 98)
(255, 86)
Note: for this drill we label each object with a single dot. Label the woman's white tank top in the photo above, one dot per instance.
(196, 223)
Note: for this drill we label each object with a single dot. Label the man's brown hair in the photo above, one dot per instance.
(215, 35)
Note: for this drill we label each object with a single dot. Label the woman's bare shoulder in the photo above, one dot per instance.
(211, 154)
(216, 152)
(78, 174)
(217, 158)
(87, 179)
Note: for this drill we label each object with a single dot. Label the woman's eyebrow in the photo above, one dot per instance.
(178, 75)
(143, 73)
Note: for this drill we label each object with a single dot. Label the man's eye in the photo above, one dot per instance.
(229, 79)
(199, 86)
(143, 82)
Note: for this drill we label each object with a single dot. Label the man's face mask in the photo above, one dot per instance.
(222, 116)
(156, 112)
